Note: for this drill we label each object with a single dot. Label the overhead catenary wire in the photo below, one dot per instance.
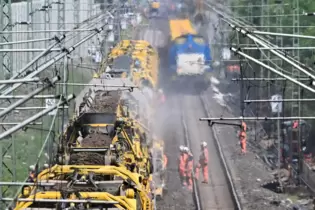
(21, 71)
(35, 117)
(272, 69)
(241, 22)
(29, 96)
(53, 60)
(246, 33)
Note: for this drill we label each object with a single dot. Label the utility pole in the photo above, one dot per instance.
(61, 15)
(30, 28)
(117, 22)
(47, 10)
(6, 25)
(76, 19)
(8, 171)
(296, 91)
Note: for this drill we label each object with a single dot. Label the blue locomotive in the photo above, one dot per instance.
(189, 61)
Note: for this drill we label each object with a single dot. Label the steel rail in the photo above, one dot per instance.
(196, 189)
(232, 187)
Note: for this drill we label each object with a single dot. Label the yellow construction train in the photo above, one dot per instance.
(107, 157)
(133, 59)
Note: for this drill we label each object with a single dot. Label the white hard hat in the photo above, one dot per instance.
(204, 144)
(32, 168)
(181, 148)
(46, 166)
(186, 149)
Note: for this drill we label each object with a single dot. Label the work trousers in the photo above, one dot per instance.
(204, 171)
(182, 176)
(189, 180)
(243, 146)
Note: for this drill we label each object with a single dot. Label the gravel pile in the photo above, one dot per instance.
(87, 158)
(91, 158)
(96, 140)
(106, 101)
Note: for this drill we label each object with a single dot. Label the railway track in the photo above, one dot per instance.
(220, 192)
(196, 190)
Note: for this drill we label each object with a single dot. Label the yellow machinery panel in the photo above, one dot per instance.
(180, 27)
(124, 183)
(155, 5)
(144, 63)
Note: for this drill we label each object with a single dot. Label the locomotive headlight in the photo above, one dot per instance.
(179, 70)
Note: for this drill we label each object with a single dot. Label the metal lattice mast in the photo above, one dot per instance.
(295, 110)
(76, 19)
(6, 25)
(90, 13)
(265, 21)
(61, 15)
(296, 91)
(90, 9)
(117, 26)
(30, 28)
(47, 16)
(279, 39)
(266, 9)
(7, 169)
(261, 92)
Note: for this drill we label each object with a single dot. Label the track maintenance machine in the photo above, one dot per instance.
(142, 65)
(103, 160)
(103, 157)
(136, 60)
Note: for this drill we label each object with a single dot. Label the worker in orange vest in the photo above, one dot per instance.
(242, 137)
(203, 163)
(182, 164)
(161, 97)
(295, 124)
(189, 170)
(165, 161)
(243, 126)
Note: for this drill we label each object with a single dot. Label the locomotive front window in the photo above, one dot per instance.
(180, 40)
(198, 40)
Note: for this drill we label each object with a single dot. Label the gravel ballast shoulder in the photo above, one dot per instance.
(248, 170)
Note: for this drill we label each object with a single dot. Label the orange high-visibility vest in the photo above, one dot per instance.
(203, 159)
(295, 124)
(165, 160)
(244, 126)
(182, 161)
(242, 135)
